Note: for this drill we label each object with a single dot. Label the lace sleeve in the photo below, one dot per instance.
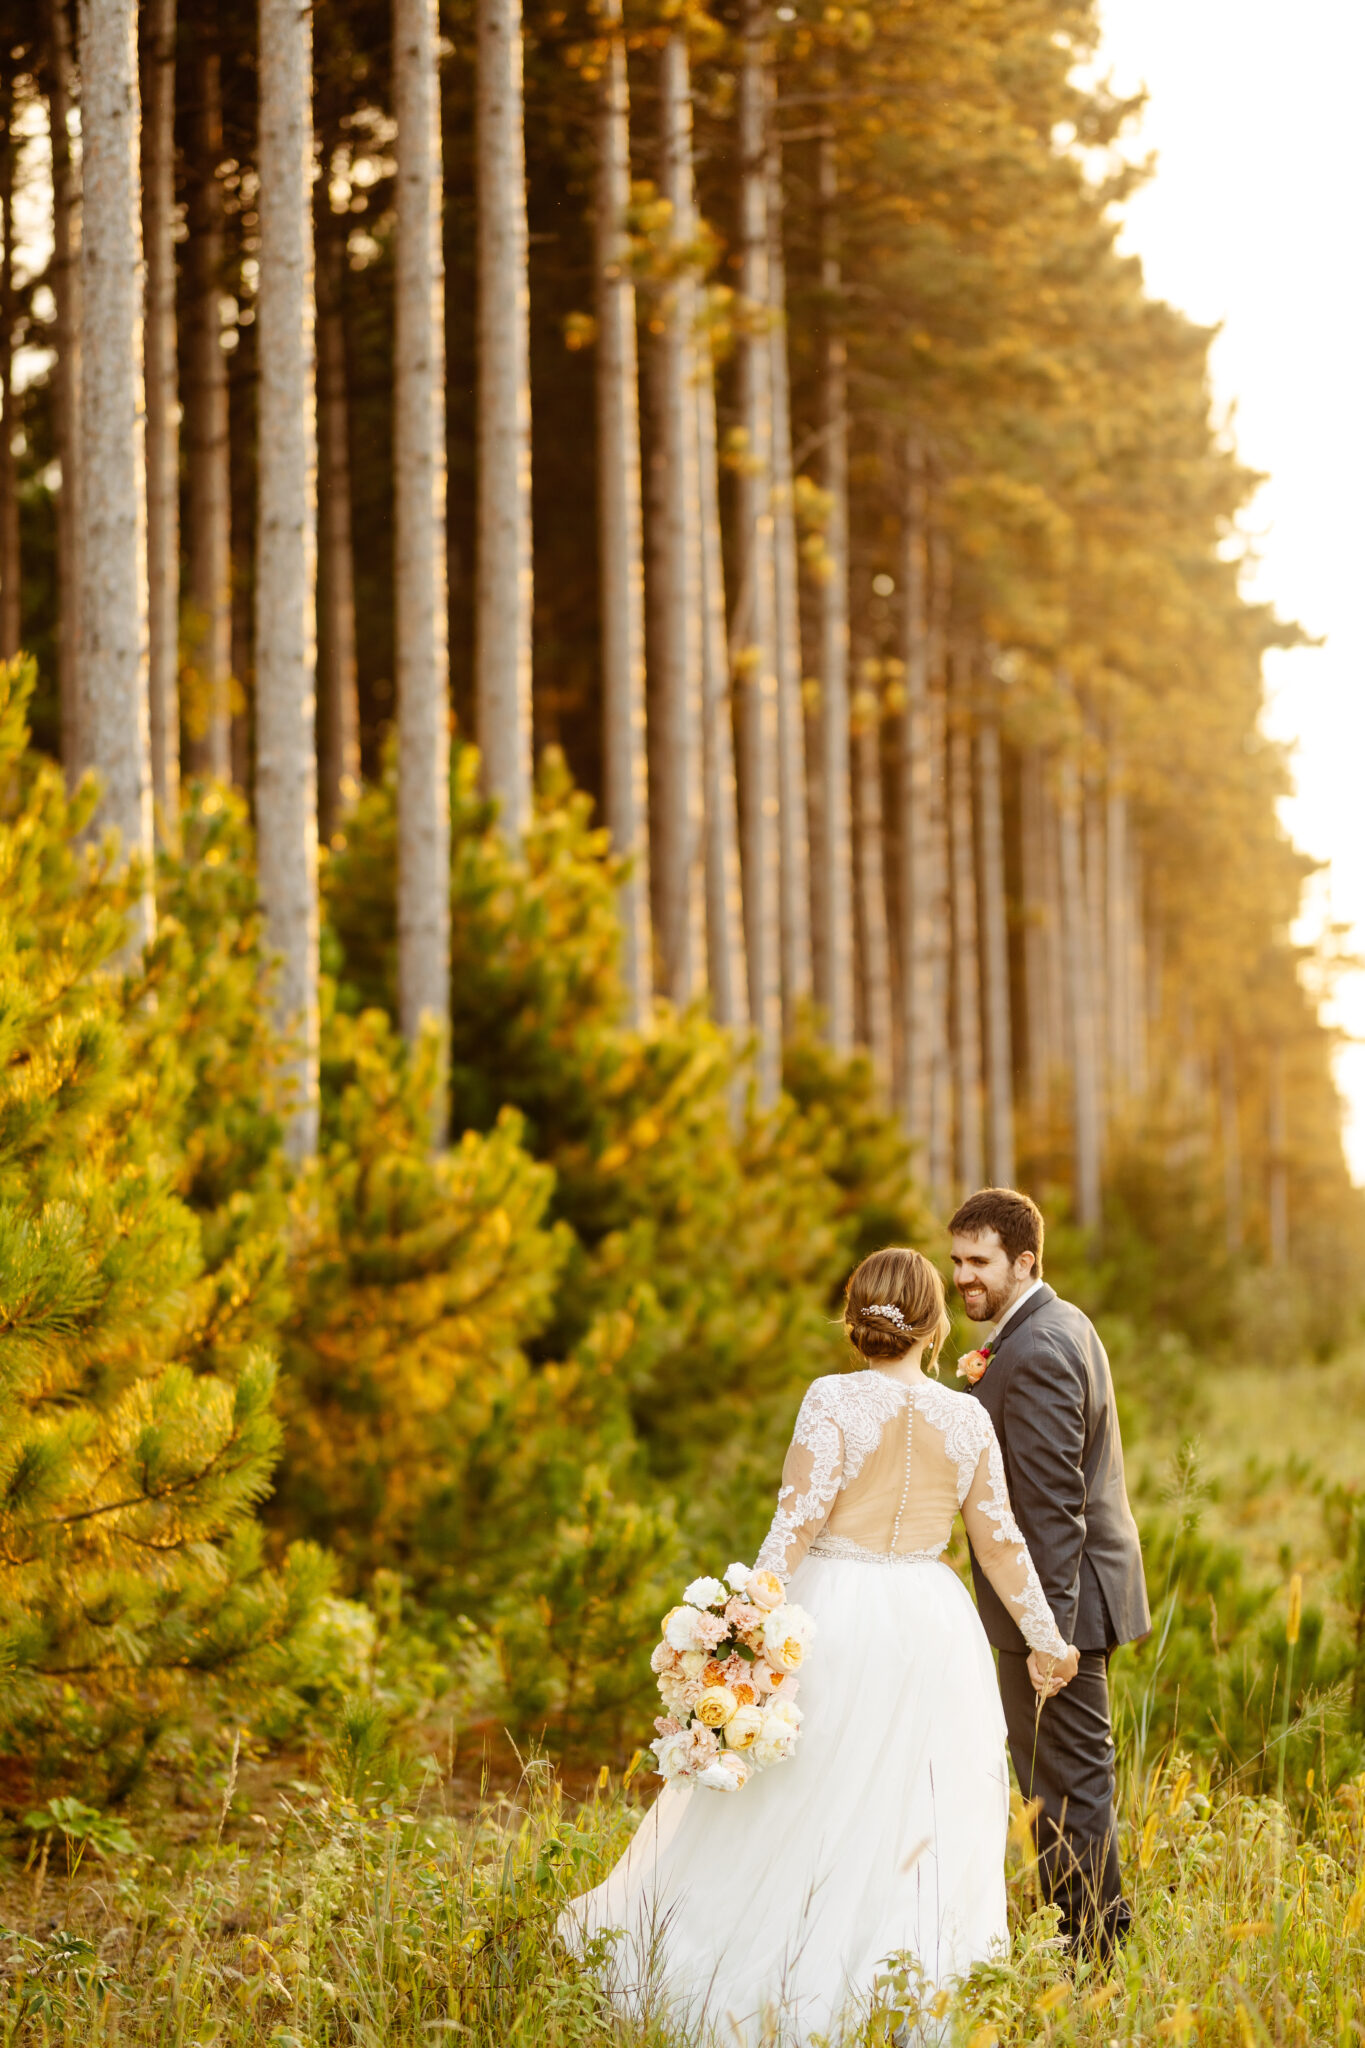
(1002, 1553)
(810, 1482)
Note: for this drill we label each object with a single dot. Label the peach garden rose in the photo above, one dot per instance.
(725, 1679)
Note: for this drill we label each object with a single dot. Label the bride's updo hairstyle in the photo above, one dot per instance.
(893, 1299)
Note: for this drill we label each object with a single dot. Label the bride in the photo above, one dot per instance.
(765, 1915)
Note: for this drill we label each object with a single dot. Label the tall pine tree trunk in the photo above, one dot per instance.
(873, 936)
(338, 695)
(113, 723)
(1041, 1047)
(1118, 934)
(1058, 1004)
(1277, 1191)
(1096, 949)
(208, 739)
(726, 965)
(502, 626)
(1085, 1077)
(679, 826)
(421, 608)
(11, 626)
(919, 889)
(66, 382)
(940, 1160)
(1137, 974)
(756, 621)
(995, 959)
(163, 413)
(620, 526)
(832, 863)
(1230, 1120)
(286, 551)
(791, 719)
(242, 480)
(966, 937)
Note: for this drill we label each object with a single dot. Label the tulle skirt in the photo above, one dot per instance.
(766, 1914)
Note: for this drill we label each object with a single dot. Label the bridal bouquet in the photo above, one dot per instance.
(726, 1670)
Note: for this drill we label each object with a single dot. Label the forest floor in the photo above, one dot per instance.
(267, 1905)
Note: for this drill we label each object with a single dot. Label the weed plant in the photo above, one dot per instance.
(366, 1912)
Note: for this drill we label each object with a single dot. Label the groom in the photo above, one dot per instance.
(1046, 1386)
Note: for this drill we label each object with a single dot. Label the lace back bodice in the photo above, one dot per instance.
(879, 1469)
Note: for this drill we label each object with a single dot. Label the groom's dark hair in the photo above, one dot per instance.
(1016, 1218)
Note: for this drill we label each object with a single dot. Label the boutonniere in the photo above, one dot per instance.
(972, 1364)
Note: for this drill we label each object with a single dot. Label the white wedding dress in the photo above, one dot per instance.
(764, 1915)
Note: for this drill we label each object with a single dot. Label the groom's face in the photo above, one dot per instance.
(987, 1278)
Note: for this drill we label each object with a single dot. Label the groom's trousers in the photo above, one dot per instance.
(1064, 1757)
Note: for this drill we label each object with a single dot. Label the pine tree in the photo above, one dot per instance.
(57, 86)
(338, 695)
(794, 824)
(620, 529)
(209, 638)
(286, 550)
(10, 171)
(137, 1426)
(113, 721)
(503, 622)
(678, 864)
(727, 965)
(971, 1156)
(874, 938)
(995, 959)
(755, 621)
(832, 855)
(163, 405)
(918, 891)
(420, 535)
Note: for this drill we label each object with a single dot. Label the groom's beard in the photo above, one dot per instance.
(990, 1304)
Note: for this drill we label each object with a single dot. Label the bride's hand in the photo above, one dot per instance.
(1049, 1674)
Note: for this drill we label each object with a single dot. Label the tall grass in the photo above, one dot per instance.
(384, 1921)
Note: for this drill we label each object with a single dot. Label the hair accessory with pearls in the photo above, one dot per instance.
(887, 1309)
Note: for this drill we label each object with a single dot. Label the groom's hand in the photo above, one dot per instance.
(1050, 1674)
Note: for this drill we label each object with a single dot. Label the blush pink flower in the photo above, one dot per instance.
(766, 1590)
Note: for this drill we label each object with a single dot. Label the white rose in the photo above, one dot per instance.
(783, 1710)
(704, 1593)
(718, 1778)
(737, 1577)
(787, 1632)
(694, 1662)
(673, 1754)
(682, 1629)
(774, 1743)
(743, 1727)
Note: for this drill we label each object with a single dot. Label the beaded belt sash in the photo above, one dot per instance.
(844, 1547)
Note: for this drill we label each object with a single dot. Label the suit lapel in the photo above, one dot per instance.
(990, 1388)
(1016, 1322)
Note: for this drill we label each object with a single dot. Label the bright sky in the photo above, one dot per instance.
(1253, 219)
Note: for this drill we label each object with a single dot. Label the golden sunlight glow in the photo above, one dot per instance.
(1252, 221)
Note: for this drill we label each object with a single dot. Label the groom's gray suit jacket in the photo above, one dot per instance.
(1049, 1393)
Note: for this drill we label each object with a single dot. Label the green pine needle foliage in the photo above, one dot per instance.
(137, 1435)
(575, 1376)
